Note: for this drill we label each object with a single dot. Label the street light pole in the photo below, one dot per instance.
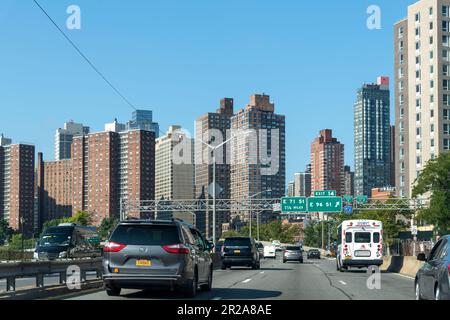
(214, 196)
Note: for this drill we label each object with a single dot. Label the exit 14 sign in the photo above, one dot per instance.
(325, 193)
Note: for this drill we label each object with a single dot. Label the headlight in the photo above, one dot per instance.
(62, 254)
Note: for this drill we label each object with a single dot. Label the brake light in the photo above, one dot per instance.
(113, 247)
(176, 248)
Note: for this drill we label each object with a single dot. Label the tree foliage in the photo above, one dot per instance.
(275, 230)
(5, 232)
(106, 227)
(435, 180)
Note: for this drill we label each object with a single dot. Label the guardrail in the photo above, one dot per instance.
(40, 269)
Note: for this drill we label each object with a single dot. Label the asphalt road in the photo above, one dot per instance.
(313, 280)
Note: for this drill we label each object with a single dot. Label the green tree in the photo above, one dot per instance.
(106, 227)
(82, 218)
(16, 242)
(435, 180)
(5, 232)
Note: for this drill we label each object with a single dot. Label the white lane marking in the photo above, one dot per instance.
(216, 298)
(342, 282)
(261, 272)
(246, 281)
(403, 276)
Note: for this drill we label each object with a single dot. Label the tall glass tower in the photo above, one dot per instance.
(372, 137)
(143, 120)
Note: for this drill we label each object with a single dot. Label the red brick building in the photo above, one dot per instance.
(17, 186)
(110, 166)
(327, 163)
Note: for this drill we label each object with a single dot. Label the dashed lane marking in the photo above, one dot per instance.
(246, 281)
(342, 282)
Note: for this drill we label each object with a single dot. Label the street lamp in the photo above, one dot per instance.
(257, 214)
(213, 152)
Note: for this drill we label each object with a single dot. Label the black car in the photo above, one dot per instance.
(313, 254)
(144, 254)
(433, 279)
(68, 241)
(260, 247)
(240, 251)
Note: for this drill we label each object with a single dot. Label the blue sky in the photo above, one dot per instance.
(179, 58)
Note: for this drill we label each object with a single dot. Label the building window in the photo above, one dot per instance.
(417, 17)
(446, 129)
(445, 26)
(446, 144)
(445, 11)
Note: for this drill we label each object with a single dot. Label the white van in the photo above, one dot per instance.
(360, 244)
(270, 252)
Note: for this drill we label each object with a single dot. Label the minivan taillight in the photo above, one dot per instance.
(113, 247)
(176, 248)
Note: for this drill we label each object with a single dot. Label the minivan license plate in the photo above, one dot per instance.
(143, 263)
(237, 251)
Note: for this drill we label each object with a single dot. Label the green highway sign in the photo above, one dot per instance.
(348, 198)
(325, 204)
(362, 199)
(294, 204)
(325, 193)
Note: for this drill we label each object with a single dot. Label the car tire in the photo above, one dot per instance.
(190, 291)
(208, 286)
(418, 291)
(223, 267)
(437, 293)
(301, 261)
(284, 261)
(113, 291)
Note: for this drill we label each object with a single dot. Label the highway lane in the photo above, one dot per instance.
(313, 280)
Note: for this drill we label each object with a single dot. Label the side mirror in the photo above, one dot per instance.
(421, 257)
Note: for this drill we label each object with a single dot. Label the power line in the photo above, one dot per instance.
(84, 56)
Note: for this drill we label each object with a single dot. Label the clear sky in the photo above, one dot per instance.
(180, 57)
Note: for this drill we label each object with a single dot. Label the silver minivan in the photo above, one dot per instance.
(142, 254)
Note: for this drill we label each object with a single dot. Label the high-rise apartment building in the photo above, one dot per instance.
(422, 92)
(349, 178)
(110, 167)
(17, 186)
(115, 126)
(291, 189)
(372, 137)
(213, 128)
(258, 159)
(302, 183)
(54, 189)
(143, 120)
(327, 163)
(174, 168)
(64, 137)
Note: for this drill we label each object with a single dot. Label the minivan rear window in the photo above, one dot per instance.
(293, 248)
(239, 242)
(146, 235)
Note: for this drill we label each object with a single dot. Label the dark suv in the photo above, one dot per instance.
(142, 254)
(240, 251)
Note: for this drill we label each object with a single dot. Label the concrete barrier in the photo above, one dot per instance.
(407, 266)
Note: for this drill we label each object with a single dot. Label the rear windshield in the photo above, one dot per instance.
(376, 237)
(56, 236)
(293, 248)
(241, 242)
(362, 237)
(146, 235)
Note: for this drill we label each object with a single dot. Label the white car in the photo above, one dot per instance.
(277, 245)
(270, 252)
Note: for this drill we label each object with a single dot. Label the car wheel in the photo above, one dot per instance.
(191, 288)
(223, 267)
(113, 291)
(284, 261)
(208, 286)
(418, 293)
(437, 293)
